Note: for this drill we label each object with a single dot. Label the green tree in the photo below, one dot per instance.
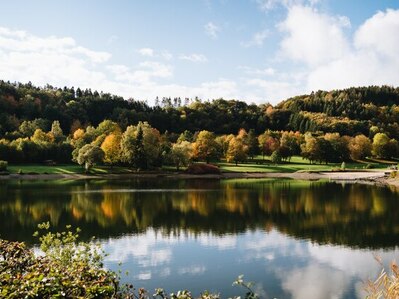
(107, 127)
(276, 157)
(56, 132)
(223, 143)
(151, 144)
(141, 146)
(380, 145)
(339, 151)
(140, 158)
(132, 147)
(185, 136)
(289, 144)
(252, 143)
(89, 155)
(181, 153)
(27, 127)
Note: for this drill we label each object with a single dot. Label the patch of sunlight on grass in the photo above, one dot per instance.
(99, 170)
(63, 170)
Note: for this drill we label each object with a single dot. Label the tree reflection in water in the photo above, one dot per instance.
(362, 216)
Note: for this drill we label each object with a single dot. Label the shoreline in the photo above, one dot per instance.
(377, 177)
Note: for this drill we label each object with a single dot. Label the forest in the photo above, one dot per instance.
(58, 125)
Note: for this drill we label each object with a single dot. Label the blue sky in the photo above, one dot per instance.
(255, 50)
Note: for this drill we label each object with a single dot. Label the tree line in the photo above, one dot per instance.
(143, 147)
(49, 123)
(351, 111)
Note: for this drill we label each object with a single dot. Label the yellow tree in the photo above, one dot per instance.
(360, 147)
(205, 146)
(310, 148)
(111, 148)
(237, 150)
(41, 137)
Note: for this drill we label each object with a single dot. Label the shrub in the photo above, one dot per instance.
(3, 165)
(68, 269)
(202, 168)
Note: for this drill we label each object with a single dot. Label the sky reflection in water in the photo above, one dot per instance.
(281, 266)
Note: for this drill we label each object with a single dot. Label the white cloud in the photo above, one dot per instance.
(194, 57)
(143, 276)
(266, 5)
(146, 52)
(222, 243)
(373, 60)
(145, 72)
(312, 37)
(149, 52)
(275, 90)
(380, 34)
(192, 270)
(257, 39)
(212, 30)
(352, 261)
(315, 281)
(334, 60)
(24, 43)
(257, 72)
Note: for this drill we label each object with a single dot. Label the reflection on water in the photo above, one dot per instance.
(297, 239)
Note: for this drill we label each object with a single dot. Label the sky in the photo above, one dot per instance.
(257, 51)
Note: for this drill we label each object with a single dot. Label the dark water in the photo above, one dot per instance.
(295, 239)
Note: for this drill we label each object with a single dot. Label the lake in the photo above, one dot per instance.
(293, 239)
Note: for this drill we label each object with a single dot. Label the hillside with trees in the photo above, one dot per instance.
(89, 127)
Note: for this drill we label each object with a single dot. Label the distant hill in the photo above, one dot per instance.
(349, 111)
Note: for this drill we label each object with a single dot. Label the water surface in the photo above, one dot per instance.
(295, 239)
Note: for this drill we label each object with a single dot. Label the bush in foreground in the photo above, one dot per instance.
(67, 269)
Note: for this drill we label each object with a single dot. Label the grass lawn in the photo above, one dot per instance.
(63, 169)
(255, 165)
(298, 164)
